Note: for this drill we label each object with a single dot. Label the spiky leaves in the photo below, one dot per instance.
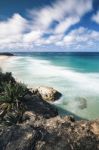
(11, 99)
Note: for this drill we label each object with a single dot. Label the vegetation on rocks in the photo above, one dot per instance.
(16, 99)
(28, 122)
(11, 99)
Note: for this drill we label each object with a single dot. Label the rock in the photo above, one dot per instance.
(48, 93)
(58, 133)
(37, 105)
(82, 102)
(95, 127)
(42, 128)
(18, 138)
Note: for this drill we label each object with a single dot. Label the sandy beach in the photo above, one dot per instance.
(3, 58)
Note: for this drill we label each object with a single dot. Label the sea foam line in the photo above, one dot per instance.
(44, 68)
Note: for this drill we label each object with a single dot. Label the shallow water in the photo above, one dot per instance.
(73, 74)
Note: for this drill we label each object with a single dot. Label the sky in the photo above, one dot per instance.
(49, 25)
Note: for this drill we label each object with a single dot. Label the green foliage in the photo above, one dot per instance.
(5, 78)
(12, 92)
(12, 106)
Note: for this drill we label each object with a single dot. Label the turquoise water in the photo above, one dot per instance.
(75, 75)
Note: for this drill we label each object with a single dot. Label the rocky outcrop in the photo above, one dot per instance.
(39, 126)
(37, 105)
(51, 134)
(47, 93)
(43, 129)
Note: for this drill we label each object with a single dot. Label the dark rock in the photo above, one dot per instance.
(58, 133)
(37, 105)
(18, 138)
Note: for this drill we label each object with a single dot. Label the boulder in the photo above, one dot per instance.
(48, 93)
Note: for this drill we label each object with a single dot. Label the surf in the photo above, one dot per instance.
(72, 83)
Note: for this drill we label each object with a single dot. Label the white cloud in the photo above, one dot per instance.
(80, 38)
(13, 26)
(61, 11)
(18, 32)
(66, 12)
(96, 17)
(11, 31)
(32, 36)
(64, 25)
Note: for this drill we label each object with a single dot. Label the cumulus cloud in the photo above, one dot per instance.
(81, 38)
(20, 33)
(96, 17)
(12, 30)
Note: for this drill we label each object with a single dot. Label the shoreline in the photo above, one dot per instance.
(39, 123)
(3, 57)
(32, 76)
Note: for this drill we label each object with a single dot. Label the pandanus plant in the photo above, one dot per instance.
(11, 102)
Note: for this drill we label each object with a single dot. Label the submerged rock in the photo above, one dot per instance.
(48, 93)
(82, 102)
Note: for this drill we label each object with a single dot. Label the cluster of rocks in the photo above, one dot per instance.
(43, 129)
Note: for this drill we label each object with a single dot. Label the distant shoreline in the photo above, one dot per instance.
(6, 54)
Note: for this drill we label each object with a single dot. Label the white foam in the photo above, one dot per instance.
(29, 68)
(82, 80)
(70, 83)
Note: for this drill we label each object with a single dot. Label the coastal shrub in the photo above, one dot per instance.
(6, 77)
(11, 99)
(12, 92)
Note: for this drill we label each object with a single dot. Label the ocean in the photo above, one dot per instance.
(75, 75)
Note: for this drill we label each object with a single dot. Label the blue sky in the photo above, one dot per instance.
(49, 25)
